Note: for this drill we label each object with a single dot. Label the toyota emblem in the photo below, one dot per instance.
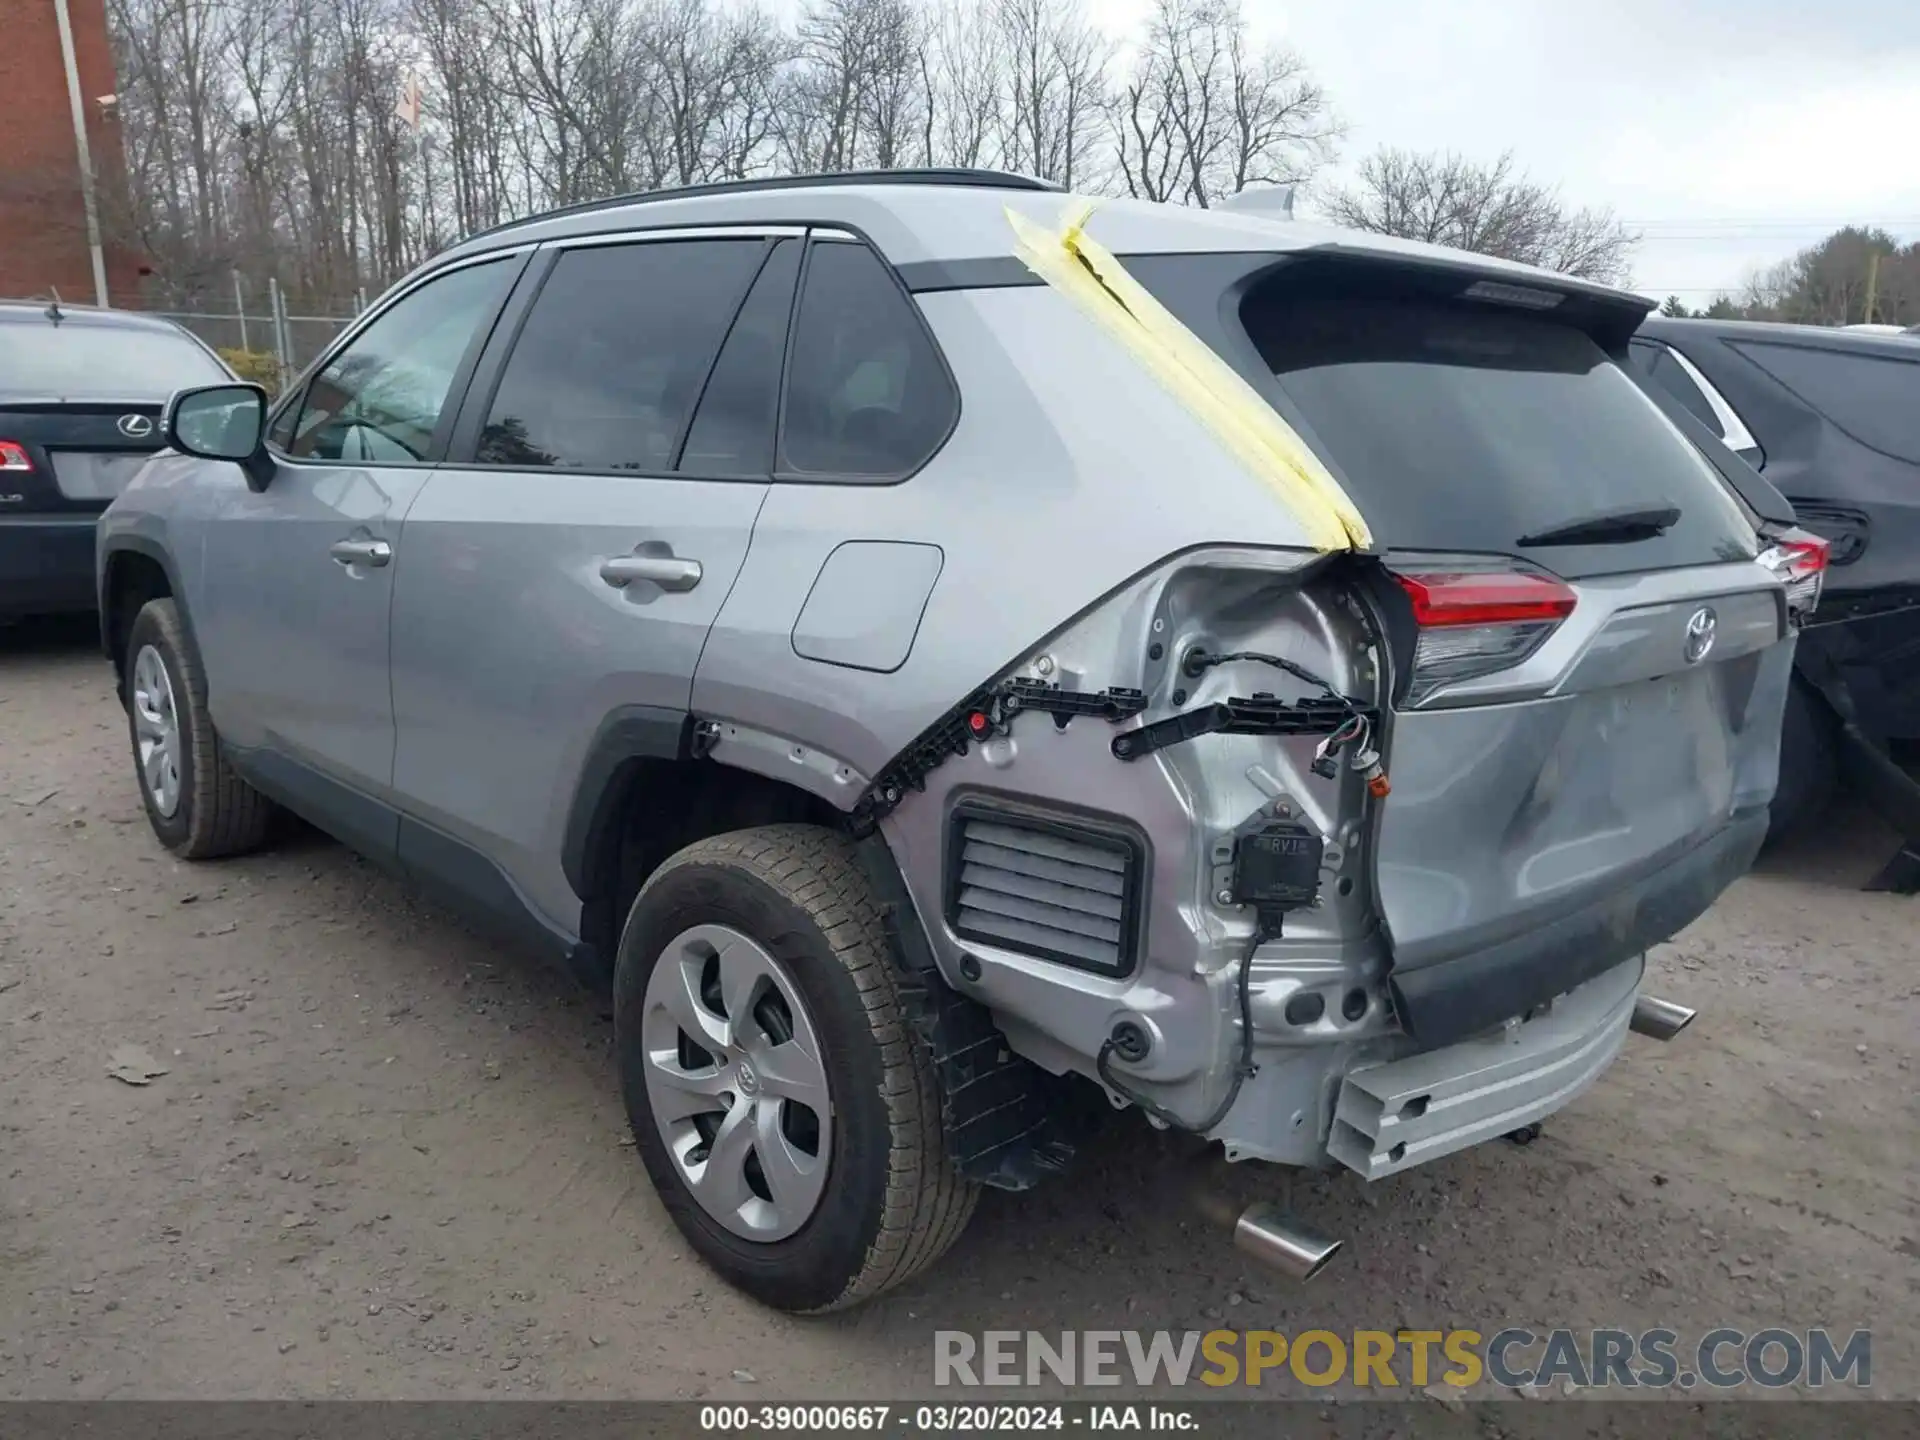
(136, 427)
(1701, 629)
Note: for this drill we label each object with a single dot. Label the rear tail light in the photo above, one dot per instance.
(1799, 559)
(1476, 622)
(13, 456)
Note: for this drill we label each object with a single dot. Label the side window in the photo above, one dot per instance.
(867, 394)
(1871, 397)
(732, 431)
(613, 354)
(380, 399)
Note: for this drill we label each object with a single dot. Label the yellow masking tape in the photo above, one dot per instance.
(1082, 270)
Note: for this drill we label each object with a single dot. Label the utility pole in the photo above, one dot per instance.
(86, 157)
(1873, 282)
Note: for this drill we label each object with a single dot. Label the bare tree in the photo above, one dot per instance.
(962, 108)
(1204, 114)
(1055, 65)
(262, 138)
(1449, 200)
(850, 96)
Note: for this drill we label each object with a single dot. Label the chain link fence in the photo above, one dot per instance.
(261, 338)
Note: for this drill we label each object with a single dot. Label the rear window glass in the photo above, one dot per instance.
(1874, 398)
(1464, 427)
(77, 358)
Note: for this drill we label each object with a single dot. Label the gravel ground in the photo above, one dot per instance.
(387, 1158)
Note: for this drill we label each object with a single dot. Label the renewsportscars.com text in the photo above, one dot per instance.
(1721, 1359)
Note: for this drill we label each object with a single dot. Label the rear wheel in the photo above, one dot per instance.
(197, 806)
(1808, 763)
(784, 1108)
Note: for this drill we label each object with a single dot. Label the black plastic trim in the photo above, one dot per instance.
(463, 879)
(1008, 1123)
(626, 737)
(364, 825)
(985, 272)
(1452, 997)
(449, 870)
(1112, 834)
(154, 551)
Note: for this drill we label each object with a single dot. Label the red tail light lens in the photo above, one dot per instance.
(1477, 622)
(13, 456)
(1800, 559)
(1493, 597)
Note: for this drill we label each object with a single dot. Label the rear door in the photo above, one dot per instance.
(1585, 727)
(564, 568)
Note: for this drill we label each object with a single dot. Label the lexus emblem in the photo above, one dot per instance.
(135, 427)
(1701, 629)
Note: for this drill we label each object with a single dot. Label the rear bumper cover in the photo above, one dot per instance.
(1447, 1000)
(46, 565)
(1406, 1112)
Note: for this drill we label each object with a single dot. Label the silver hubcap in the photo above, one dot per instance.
(156, 731)
(736, 1083)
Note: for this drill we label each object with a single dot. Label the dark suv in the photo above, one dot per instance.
(1832, 419)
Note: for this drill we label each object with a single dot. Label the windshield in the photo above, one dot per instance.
(1464, 427)
(82, 358)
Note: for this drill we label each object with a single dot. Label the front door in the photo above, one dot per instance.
(299, 577)
(564, 568)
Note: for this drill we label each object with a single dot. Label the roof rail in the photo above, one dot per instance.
(955, 176)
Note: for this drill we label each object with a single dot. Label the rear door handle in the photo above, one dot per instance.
(361, 552)
(669, 572)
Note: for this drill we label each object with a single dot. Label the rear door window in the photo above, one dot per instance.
(868, 396)
(1874, 398)
(1464, 427)
(614, 353)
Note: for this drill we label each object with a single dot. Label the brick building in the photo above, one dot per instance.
(43, 223)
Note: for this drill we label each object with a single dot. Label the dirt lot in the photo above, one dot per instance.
(387, 1157)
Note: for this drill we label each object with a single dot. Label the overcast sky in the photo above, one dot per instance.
(1731, 132)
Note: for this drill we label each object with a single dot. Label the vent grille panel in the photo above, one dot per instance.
(1060, 895)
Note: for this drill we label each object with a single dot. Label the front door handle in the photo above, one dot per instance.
(361, 552)
(669, 572)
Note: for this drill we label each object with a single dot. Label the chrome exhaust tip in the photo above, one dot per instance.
(1271, 1235)
(1659, 1019)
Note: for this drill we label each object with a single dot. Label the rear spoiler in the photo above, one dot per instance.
(1607, 314)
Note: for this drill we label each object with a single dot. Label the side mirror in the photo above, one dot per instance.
(223, 422)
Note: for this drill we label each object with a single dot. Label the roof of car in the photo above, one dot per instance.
(932, 216)
(28, 312)
(1821, 337)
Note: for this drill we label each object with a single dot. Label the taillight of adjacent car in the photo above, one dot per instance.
(1799, 558)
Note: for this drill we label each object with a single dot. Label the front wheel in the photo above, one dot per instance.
(784, 1108)
(196, 804)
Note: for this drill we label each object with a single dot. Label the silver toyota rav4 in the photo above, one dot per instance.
(936, 649)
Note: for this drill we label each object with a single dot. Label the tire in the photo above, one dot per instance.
(890, 1201)
(1809, 764)
(207, 811)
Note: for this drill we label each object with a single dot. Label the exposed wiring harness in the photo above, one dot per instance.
(1197, 662)
(1242, 1071)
